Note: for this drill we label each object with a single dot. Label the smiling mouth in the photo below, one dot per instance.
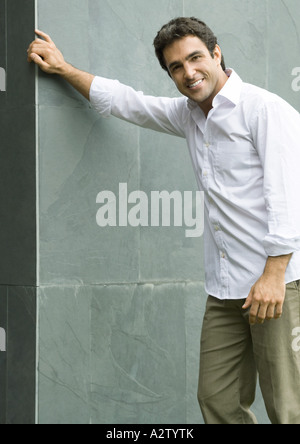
(194, 85)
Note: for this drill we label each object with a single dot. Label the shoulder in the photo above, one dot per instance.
(260, 102)
(259, 95)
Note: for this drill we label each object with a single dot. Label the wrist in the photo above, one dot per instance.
(65, 70)
(276, 266)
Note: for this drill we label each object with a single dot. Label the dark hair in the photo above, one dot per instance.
(182, 27)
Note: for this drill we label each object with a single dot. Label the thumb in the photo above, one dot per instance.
(248, 301)
(39, 61)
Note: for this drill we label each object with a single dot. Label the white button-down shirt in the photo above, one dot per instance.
(246, 157)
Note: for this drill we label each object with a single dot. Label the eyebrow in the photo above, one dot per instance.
(190, 56)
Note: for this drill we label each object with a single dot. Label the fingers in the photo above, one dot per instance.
(270, 314)
(257, 313)
(248, 302)
(254, 314)
(255, 307)
(40, 50)
(39, 61)
(38, 44)
(36, 54)
(279, 311)
(36, 47)
(44, 35)
(261, 312)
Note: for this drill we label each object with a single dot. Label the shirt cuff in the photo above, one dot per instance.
(101, 94)
(277, 246)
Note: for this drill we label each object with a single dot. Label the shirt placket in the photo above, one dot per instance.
(207, 178)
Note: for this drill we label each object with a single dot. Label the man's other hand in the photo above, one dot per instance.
(267, 296)
(266, 300)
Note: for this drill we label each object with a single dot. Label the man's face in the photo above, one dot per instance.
(195, 72)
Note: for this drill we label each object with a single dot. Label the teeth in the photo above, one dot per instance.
(196, 84)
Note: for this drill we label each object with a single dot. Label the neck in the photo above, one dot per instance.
(207, 105)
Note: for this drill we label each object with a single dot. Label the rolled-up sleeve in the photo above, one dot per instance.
(101, 94)
(278, 144)
(112, 98)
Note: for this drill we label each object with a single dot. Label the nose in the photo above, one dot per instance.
(189, 71)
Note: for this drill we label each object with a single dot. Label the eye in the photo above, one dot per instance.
(175, 68)
(195, 58)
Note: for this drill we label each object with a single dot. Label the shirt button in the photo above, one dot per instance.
(217, 228)
(207, 144)
(205, 173)
(223, 255)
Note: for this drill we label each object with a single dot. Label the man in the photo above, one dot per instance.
(245, 147)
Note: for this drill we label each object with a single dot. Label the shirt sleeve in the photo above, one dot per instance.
(278, 145)
(110, 97)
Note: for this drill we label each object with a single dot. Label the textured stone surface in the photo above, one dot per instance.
(117, 353)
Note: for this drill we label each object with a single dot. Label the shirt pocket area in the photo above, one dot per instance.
(234, 163)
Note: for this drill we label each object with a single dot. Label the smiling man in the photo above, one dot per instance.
(244, 143)
(194, 70)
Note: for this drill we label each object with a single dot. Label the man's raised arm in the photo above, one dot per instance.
(48, 57)
(110, 97)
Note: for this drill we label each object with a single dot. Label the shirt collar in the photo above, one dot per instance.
(231, 91)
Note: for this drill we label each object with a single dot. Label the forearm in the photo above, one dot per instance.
(80, 80)
(276, 266)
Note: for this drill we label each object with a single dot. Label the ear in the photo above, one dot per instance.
(218, 54)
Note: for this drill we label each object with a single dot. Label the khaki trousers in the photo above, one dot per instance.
(233, 353)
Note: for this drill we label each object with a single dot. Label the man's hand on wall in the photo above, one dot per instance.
(45, 54)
